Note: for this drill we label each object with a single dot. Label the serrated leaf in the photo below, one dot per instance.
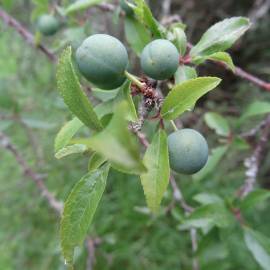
(183, 96)
(218, 123)
(70, 150)
(155, 181)
(259, 246)
(95, 162)
(212, 163)
(79, 210)
(70, 90)
(184, 73)
(257, 108)
(80, 5)
(222, 57)
(220, 36)
(255, 197)
(215, 214)
(66, 133)
(117, 144)
(136, 34)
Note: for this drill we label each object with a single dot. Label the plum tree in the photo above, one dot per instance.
(47, 25)
(188, 151)
(160, 59)
(102, 59)
(128, 10)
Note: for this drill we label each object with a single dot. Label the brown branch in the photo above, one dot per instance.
(252, 163)
(27, 171)
(28, 36)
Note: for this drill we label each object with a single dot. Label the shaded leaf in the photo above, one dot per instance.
(70, 90)
(257, 108)
(183, 96)
(136, 34)
(255, 197)
(213, 160)
(215, 214)
(104, 95)
(184, 73)
(66, 133)
(222, 57)
(117, 144)
(156, 180)
(79, 210)
(71, 149)
(218, 123)
(95, 161)
(259, 246)
(207, 198)
(80, 5)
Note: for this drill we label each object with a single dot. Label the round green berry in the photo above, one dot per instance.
(47, 25)
(160, 59)
(188, 151)
(103, 59)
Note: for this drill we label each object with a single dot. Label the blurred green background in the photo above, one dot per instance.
(31, 113)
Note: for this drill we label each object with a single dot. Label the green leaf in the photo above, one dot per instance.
(212, 163)
(117, 144)
(79, 210)
(66, 133)
(70, 90)
(95, 162)
(207, 198)
(257, 108)
(183, 96)
(215, 214)
(259, 246)
(145, 17)
(218, 123)
(223, 57)
(104, 95)
(136, 34)
(80, 5)
(156, 180)
(255, 197)
(178, 37)
(123, 95)
(184, 73)
(220, 36)
(70, 150)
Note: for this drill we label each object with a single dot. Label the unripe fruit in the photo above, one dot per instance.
(188, 151)
(47, 25)
(128, 10)
(102, 59)
(160, 59)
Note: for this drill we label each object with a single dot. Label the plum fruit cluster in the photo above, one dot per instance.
(47, 25)
(103, 60)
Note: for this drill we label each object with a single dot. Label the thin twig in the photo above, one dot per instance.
(252, 163)
(27, 171)
(25, 33)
